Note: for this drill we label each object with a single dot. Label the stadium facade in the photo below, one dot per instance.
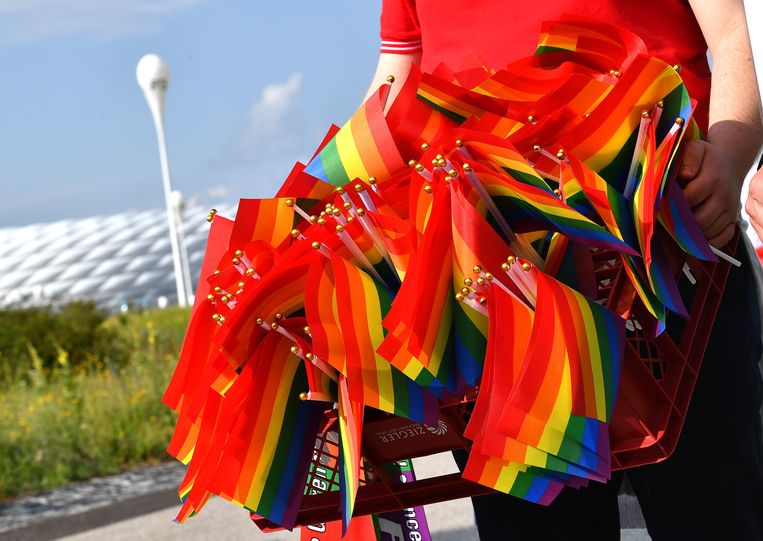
(118, 261)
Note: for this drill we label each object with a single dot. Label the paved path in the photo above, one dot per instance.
(140, 505)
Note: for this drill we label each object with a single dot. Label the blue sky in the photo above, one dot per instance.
(253, 87)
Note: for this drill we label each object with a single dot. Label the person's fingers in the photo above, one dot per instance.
(700, 188)
(718, 226)
(707, 212)
(722, 239)
(691, 161)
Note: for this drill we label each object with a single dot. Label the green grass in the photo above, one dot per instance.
(69, 421)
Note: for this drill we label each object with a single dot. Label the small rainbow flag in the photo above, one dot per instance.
(362, 148)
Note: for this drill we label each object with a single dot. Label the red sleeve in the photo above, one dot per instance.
(400, 31)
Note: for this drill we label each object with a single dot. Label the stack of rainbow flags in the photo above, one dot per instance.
(437, 247)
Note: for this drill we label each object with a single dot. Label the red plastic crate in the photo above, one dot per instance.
(658, 378)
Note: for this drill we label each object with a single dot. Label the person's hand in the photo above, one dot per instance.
(712, 189)
(754, 203)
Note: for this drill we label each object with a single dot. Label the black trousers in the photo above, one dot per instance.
(710, 488)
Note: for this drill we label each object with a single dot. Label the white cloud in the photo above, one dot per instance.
(274, 127)
(35, 20)
(217, 192)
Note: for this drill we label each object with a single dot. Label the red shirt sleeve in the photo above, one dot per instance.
(400, 32)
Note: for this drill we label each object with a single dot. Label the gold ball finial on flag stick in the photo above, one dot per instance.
(290, 202)
(390, 79)
(526, 266)
(303, 396)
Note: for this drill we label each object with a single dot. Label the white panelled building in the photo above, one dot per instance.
(118, 261)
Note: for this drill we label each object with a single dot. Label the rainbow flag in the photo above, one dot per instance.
(607, 202)
(362, 148)
(418, 343)
(678, 220)
(350, 416)
(258, 441)
(605, 140)
(562, 402)
(456, 102)
(598, 45)
(361, 304)
(532, 209)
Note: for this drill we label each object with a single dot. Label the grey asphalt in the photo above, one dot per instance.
(150, 517)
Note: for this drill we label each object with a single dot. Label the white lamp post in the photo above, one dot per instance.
(153, 79)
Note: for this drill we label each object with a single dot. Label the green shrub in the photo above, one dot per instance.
(34, 339)
(62, 420)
